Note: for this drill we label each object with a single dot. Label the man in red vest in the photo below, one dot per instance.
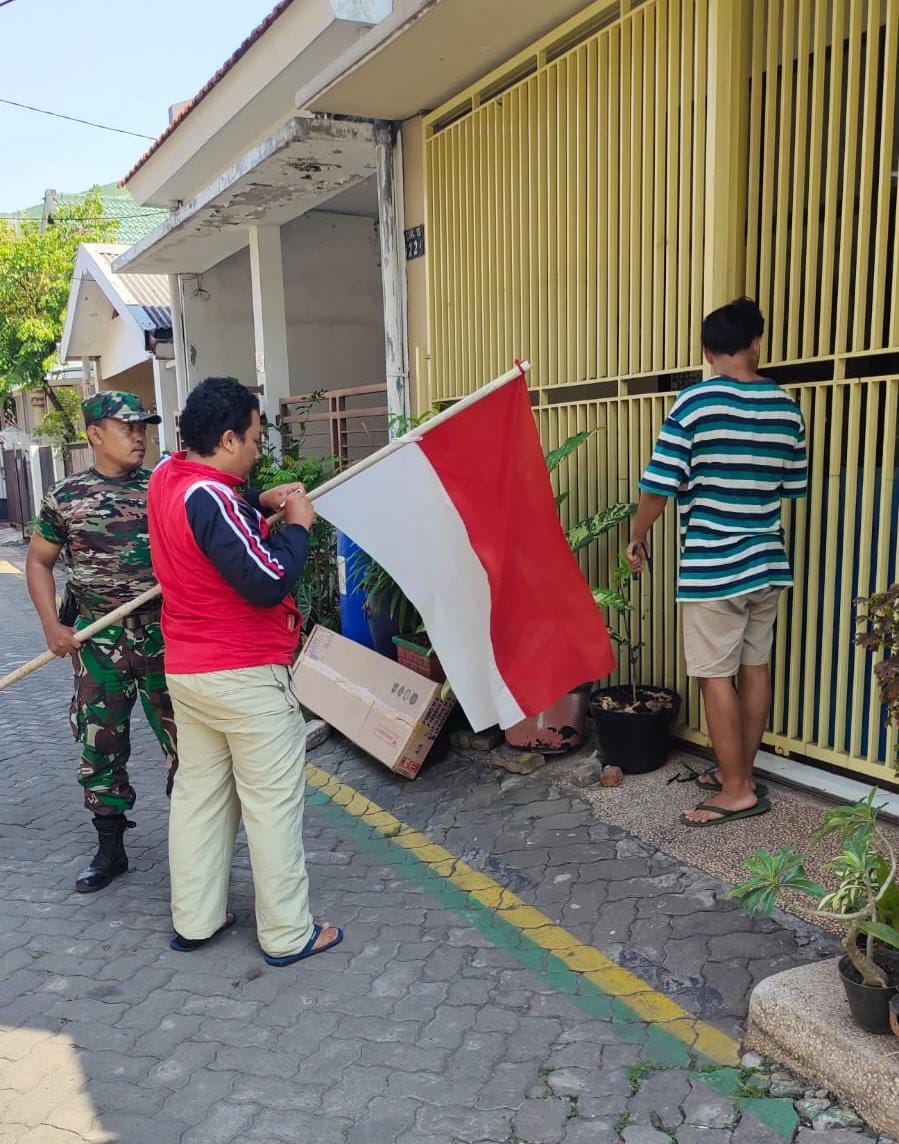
(231, 628)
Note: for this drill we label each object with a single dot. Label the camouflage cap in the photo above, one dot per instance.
(117, 404)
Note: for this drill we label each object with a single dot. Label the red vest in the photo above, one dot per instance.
(207, 625)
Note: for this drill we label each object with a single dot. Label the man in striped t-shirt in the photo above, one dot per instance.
(731, 448)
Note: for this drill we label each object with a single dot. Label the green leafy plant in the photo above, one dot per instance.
(382, 591)
(62, 426)
(316, 593)
(616, 599)
(880, 615)
(864, 898)
(35, 271)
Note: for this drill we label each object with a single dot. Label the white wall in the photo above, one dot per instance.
(122, 347)
(332, 284)
(218, 319)
(335, 309)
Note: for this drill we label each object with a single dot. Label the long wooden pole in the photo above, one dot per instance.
(391, 447)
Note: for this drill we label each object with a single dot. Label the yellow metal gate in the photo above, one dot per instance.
(587, 202)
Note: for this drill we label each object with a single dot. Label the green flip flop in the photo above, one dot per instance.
(715, 787)
(762, 806)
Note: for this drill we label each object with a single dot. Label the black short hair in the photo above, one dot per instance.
(215, 406)
(733, 327)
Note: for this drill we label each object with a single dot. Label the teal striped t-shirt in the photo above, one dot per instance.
(730, 451)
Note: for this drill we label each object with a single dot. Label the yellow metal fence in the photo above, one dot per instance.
(843, 543)
(589, 200)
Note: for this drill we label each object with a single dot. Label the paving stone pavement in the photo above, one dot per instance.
(422, 1028)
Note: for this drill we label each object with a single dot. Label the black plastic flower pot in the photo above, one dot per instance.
(635, 738)
(868, 1004)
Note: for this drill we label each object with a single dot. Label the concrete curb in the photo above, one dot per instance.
(801, 1019)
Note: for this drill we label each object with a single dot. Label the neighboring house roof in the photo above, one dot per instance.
(145, 295)
(144, 298)
(135, 221)
(207, 87)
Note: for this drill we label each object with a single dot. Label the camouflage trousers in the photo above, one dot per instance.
(111, 670)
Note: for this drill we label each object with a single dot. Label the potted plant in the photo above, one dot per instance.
(561, 727)
(388, 610)
(880, 615)
(865, 899)
(316, 593)
(633, 721)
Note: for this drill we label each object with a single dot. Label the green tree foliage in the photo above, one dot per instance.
(35, 271)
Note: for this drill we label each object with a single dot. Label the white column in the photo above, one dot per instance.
(269, 317)
(182, 385)
(167, 405)
(393, 267)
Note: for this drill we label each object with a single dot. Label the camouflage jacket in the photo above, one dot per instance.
(101, 525)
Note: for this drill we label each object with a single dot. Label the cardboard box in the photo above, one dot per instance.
(389, 711)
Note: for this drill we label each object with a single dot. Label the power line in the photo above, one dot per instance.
(72, 118)
(3, 3)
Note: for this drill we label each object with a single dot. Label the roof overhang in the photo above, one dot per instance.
(300, 167)
(426, 51)
(249, 96)
(96, 299)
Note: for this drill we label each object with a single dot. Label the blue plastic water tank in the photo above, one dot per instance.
(353, 623)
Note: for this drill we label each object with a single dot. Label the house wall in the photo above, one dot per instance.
(416, 269)
(139, 380)
(218, 319)
(122, 347)
(333, 304)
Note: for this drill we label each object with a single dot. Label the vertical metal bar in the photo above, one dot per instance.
(758, 81)
(627, 196)
(777, 334)
(838, 395)
(657, 307)
(888, 465)
(843, 618)
(793, 315)
(616, 195)
(879, 334)
(850, 155)
(671, 186)
(650, 182)
(814, 409)
(684, 330)
(801, 582)
(697, 222)
(867, 429)
(593, 268)
(766, 225)
(811, 283)
(828, 276)
(870, 105)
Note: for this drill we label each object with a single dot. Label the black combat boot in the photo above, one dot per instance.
(111, 859)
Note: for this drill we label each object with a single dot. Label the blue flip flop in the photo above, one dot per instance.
(189, 944)
(308, 950)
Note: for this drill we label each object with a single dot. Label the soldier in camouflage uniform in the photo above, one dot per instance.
(98, 520)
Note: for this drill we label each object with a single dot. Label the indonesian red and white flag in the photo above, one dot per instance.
(462, 516)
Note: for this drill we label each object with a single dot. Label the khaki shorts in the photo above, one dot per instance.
(722, 635)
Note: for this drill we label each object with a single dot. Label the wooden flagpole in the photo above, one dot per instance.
(391, 447)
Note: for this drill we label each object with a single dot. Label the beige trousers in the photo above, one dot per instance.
(242, 741)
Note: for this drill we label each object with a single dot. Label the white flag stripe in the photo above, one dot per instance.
(399, 513)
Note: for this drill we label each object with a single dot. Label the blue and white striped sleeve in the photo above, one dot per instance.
(668, 470)
(795, 479)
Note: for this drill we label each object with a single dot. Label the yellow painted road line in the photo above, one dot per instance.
(5, 566)
(591, 963)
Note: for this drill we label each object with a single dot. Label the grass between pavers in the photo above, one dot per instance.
(671, 1037)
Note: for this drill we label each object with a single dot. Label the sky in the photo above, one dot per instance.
(117, 62)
